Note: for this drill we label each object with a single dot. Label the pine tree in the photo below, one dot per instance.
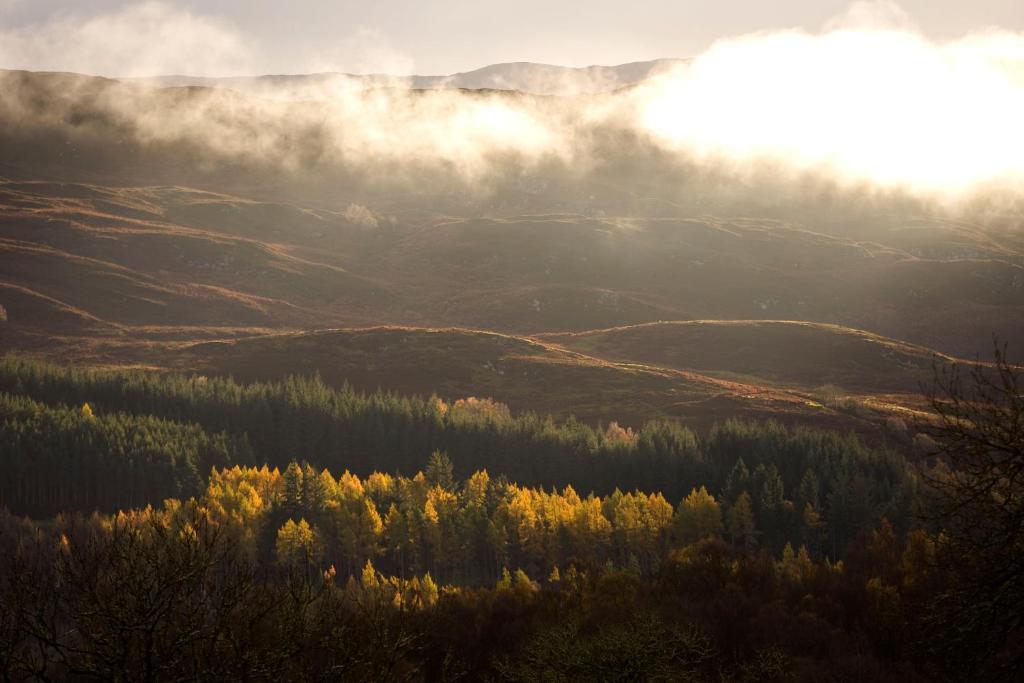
(812, 529)
(741, 522)
(737, 482)
(314, 495)
(809, 490)
(439, 471)
(292, 488)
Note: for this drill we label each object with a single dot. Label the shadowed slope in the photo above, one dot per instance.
(526, 374)
(778, 351)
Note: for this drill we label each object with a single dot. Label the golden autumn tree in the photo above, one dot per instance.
(699, 516)
(297, 544)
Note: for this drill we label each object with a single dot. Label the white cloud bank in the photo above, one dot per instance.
(879, 105)
(866, 100)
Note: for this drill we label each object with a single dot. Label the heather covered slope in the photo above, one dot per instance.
(129, 257)
(524, 373)
(778, 351)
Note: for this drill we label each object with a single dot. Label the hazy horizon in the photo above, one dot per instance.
(115, 38)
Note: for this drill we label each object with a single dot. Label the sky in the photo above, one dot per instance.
(249, 37)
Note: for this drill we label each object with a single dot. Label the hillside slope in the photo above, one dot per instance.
(526, 374)
(781, 352)
(137, 258)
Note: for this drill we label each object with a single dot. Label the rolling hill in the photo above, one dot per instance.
(779, 352)
(528, 77)
(120, 249)
(526, 374)
(138, 257)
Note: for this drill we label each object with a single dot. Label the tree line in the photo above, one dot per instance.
(60, 458)
(804, 485)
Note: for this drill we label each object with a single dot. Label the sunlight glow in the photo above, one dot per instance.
(883, 106)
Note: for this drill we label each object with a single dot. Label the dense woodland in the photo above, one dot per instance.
(158, 436)
(179, 532)
(215, 588)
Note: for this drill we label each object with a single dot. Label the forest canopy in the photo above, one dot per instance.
(291, 528)
(146, 437)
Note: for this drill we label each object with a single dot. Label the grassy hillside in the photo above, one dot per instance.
(782, 352)
(128, 258)
(455, 363)
(527, 374)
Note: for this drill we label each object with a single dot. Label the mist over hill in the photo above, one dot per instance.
(140, 216)
(526, 77)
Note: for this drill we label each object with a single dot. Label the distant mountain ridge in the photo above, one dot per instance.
(530, 77)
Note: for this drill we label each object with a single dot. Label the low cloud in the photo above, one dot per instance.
(884, 106)
(866, 101)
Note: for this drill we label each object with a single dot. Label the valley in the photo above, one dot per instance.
(696, 368)
(607, 319)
